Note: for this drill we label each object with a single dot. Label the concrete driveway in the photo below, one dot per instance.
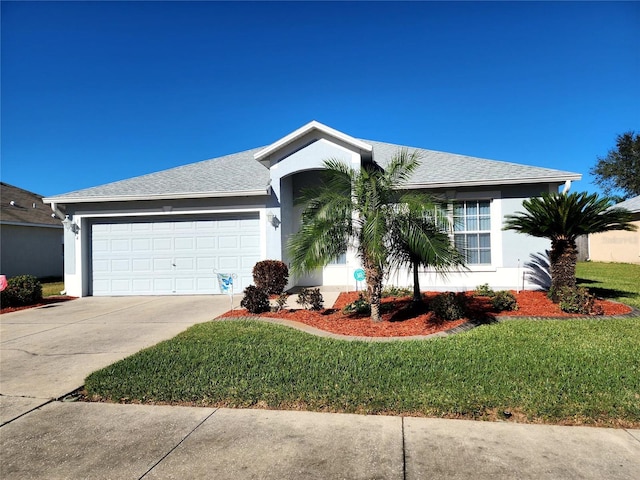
(47, 352)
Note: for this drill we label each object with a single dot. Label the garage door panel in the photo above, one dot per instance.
(167, 257)
(162, 265)
(120, 265)
(184, 243)
(140, 245)
(141, 265)
(120, 245)
(228, 242)
(163, 244)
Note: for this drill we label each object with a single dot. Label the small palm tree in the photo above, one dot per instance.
(562, 219)
(417, 238)
(357, 207)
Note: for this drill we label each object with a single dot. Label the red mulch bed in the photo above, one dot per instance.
(45, 301)
(402, 322)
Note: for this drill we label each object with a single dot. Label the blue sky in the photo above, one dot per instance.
(94, 92)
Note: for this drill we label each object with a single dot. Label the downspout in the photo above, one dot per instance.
(56, 211)
(567, 187)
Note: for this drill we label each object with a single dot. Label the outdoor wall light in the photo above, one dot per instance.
(69, 225)
(273, 220)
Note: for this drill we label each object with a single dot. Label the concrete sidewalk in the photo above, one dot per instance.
(106, 441)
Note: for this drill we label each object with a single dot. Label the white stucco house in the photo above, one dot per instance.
(169, 232)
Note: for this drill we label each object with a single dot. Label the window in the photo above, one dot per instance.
(339, 260)
(472, 230)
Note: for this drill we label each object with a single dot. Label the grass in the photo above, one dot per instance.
(572, 371)
(52, 288)
(615, 281)
(552, 371)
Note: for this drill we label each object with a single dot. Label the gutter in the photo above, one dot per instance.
(480, 183)
(162, 196)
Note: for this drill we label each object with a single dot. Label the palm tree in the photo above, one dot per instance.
(562, 219)
(356, 207)
(418, 238)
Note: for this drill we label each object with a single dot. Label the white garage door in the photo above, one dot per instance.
(173, 257)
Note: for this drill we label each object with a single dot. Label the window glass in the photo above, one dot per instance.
(472, 224)
(340, 260)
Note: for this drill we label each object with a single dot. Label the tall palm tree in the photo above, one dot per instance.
(355, 207)
(562, 218)
(418, 238)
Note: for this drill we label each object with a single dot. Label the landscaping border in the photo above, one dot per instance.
(465, 327)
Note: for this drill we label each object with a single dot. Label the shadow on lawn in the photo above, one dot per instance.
(606, 293)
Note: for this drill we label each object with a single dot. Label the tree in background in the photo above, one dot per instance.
(620, 169)
(562, 218)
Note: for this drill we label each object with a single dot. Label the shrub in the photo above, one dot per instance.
(504, 300)
(449, 305)
(484, 291)
(255, 300)
(578, 300)
(360, 306)
(281, 301)
(393, 291)
(311, 298)
(21, 290)
(271, 276)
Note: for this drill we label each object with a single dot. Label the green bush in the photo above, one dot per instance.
(449, 305)
(21, 291)
(393, 291)
(484, 291)
(578, 300)
(255, 300)
(360, 306)
(311, 298)
(504, 300)
(271, 276)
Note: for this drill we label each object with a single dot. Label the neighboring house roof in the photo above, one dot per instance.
(631, 204)
(242, 174)
(21, 207)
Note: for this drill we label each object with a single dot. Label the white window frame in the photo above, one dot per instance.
(464, 219)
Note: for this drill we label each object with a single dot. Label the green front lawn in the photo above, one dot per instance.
(615, 281)
(553, 371)
(572, 371)
(557, 371)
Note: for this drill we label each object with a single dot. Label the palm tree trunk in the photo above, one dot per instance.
(374, 289)
(563, 259)
(417, 296)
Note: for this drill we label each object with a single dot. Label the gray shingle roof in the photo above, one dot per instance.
(240, 173)
(27, 209)
(441, 169)
(631, 204)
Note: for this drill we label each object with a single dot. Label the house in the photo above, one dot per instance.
(170, 232)
(30, 238)
(618, 245)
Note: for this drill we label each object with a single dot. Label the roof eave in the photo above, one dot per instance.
(178, 196)
(502, 181)
(25, 224)
(300, 132)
